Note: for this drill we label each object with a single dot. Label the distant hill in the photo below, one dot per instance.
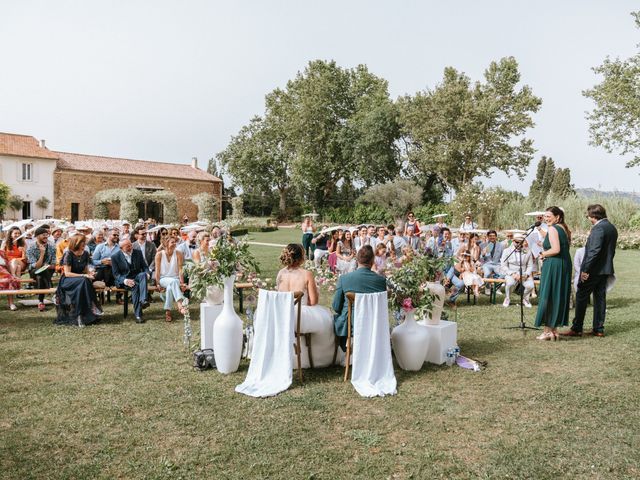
(592, 192)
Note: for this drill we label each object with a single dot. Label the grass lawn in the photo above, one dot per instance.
(120, 400)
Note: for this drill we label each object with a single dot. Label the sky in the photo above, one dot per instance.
(171, 80)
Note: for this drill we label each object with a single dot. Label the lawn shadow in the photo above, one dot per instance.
(622, 302)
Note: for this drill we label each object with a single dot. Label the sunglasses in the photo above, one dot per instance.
(164, 233)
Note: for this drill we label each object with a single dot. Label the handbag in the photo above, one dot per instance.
(203, 359)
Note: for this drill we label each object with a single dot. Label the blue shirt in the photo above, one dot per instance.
(103, 251)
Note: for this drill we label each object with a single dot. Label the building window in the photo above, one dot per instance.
(75, 212)
(26, 210)
(27, 172)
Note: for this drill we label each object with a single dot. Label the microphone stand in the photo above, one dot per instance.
(522, 325)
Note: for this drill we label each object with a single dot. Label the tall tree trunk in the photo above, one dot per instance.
(282, 205)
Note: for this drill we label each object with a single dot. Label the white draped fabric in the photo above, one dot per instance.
(270, 371)
(372, 374)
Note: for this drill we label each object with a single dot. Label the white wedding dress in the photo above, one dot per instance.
(315, 320)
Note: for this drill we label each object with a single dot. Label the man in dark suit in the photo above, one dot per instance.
(596, 268)
(147, 248)
(130, 271)
(363, 280)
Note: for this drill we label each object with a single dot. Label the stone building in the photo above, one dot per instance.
(27, 166)
(78, 178)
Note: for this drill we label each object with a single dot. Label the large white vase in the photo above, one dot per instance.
(227, 333)
(438, 291)
(410, 343)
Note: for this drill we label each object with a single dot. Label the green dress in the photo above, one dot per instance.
(555, 285)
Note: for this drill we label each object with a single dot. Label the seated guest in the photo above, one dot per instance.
(320, 241)
(216, 233)
(363, 280)
(313, 317)
(131, 272)
(380, 238)
(76, 298)
(380, 261)
(506, 243)
(491, 252)
(361, 240)
(431, 247)
(202, 252)
(126, 230)
(474, 248)
(332, 246)
(169, 276)
(397, 242)
(55, 235)
(96, 239)
(514, 258)
(7, 280)
(159, 236)
(41, 254)
(148, 249)
(101, 258)
(469, 275)
(187, 247)
(15, 252)
(346, 254)
(29, 235)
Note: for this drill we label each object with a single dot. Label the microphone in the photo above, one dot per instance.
(535, 225)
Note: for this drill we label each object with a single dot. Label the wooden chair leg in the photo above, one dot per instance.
(307, 339)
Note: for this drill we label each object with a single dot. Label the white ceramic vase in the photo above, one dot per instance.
(227, 333)
(214, 296)
(410, 343)
(438, 291)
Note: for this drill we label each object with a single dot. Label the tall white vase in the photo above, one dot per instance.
(438, 291)
(214, 295)
(227, 333)
(410, 343)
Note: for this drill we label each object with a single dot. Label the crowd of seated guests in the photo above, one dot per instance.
(82, 258)
(473, 255)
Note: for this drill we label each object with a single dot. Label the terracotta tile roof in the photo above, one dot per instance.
(23, 146)
(93, 163)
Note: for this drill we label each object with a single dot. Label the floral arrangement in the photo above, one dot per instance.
(407, 283)
(188, 331)
(323, 276)
(227, 257)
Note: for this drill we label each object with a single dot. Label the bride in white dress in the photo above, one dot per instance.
(315, 319)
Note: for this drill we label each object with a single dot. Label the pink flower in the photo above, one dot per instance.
(407, 305)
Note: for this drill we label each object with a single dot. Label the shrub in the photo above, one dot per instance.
(239, 232)
(361, 213)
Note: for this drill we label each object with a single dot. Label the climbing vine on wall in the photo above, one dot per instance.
(129, 199)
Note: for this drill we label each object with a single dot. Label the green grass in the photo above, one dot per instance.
(120, 400)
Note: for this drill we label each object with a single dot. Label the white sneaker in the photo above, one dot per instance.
(487, 291)
(526, 303)
(506, 302)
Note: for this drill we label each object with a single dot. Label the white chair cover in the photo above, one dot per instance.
(372, 373)
(270, 369)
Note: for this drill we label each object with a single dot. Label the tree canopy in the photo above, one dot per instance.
(460, 131)
(5, 191)
(614, 123)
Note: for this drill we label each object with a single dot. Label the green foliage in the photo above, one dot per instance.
(424, 213)
(207, 206)
(634, 221)
(614, 123)
(226, 258)
(239, 232)
(361, 213)
(15, 203)
(42, 203)
(129, 198)
(484, 204)
(396, 197)
(237, 212)
(460, 131)
(550, 181)
(5, 191)
(341, 126)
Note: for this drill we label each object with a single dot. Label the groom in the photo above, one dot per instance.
(363, 280)
(596, 268)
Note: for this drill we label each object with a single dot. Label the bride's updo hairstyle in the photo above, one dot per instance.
(292, 255)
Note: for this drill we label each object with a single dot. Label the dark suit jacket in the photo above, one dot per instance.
(121, 268)
(363, 280)
(149, 253)
(600, 249)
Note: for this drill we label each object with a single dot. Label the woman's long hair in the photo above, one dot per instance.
(558, 212)
(19, 242)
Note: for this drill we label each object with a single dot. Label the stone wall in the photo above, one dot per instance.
(72, 186)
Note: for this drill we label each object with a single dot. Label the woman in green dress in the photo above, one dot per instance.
(555, 278)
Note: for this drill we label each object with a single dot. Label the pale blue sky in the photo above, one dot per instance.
(169, 80)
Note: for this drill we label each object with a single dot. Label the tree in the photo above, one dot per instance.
(459, 131)
(340, 125)
(42, 203)
(550, 180)
(15, 204)
(5, 191)
(212, 167)
(614, 123)
(535, 191)
(397, 197)
(561, 186)
(259, 159)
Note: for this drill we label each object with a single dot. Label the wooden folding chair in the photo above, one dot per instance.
(297, 300)
(351, 298)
